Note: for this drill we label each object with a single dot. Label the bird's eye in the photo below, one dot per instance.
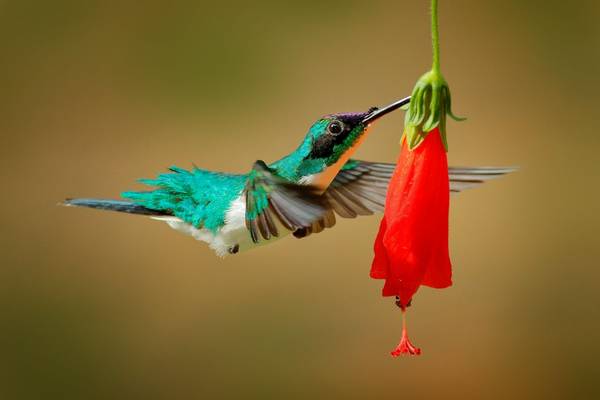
(335, 128)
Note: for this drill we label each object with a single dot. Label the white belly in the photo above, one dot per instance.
(233, 233)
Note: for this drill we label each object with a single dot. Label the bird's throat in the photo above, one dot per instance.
(323, 179)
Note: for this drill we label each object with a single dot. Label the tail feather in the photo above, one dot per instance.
(462, 178)
(113, 205)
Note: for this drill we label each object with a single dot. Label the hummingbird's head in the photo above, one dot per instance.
(328, 145)
(334, 135)
(331, 135)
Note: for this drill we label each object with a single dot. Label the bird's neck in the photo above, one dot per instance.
(297, 168)
(291, 167)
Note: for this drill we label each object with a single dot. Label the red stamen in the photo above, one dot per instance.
(405, 347)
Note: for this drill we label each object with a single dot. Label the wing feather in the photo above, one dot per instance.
(270, 197)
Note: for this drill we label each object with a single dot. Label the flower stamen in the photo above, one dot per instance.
(405, 347)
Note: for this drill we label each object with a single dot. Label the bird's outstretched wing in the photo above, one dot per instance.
(273, 203)
(360, 188)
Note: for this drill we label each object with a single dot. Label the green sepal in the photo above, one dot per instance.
(429, 104)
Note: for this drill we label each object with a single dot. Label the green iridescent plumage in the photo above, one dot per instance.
(199, 197)
(298, 164)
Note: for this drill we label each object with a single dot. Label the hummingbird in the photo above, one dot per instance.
(300, 194)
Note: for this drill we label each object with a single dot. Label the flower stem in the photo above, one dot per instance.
(435, 37)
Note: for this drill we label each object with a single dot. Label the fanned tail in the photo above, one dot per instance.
(113, 205)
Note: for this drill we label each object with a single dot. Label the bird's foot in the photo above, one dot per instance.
(234, 249)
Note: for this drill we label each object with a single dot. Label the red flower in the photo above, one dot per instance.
(411, 248)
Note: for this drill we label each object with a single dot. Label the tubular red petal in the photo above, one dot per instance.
(411, 248)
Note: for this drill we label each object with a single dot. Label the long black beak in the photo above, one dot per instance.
(380, 112)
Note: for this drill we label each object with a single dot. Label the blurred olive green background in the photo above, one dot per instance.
(98, 305)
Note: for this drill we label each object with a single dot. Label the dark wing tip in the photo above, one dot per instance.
(462, 178)
(485, 171)
(112, 205)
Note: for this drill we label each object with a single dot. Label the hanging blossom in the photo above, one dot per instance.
(411, 248)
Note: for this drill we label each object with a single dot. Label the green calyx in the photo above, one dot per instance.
(430, 102)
